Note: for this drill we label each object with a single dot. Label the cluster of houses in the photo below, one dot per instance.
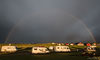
(41, 49)
(81, 44)
(78, 44)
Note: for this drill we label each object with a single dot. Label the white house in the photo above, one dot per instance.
(39, 50)
(61, 49)
(8, 49)
(80, 44)
(94, 44)
(72, 44)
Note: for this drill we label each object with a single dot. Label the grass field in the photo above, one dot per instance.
(53, 56)
(45, 44)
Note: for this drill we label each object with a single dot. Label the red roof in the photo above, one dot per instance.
(67, 43)
(88, 44)
(80, 43)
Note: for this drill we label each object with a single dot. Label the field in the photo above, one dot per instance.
(52, 56)
(45, 44)
(24, 53)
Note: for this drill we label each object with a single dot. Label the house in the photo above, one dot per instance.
(61, 49)
(53, 43)
(39, 50)
(80, 44)
(88, 44)
(94, 44)
(8, 49)
(72, 44)
(67, 44)
(60, 44)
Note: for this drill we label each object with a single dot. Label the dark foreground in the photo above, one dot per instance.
(52, 56)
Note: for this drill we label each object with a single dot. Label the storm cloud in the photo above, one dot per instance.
(41, 21)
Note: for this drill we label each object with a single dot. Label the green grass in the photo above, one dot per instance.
(52, 56)
(28, 45)
(45, 44)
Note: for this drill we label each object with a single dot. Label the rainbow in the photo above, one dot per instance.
(74, 17)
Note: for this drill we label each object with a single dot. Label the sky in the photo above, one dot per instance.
(43, 21)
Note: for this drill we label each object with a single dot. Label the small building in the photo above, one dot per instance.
(72, 44)
(62, 43)
(88, 44)
(39, 50)
(8, 49)
(53, 43)
(59, 44)
(80, 44)
(94, 44)
(67, 44)
(61, 49)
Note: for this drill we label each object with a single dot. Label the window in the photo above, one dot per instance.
(65, 48)
(46, 49)
(35, 48)
(41, 49)
(57, 47)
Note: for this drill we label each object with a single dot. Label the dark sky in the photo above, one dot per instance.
(41, 21)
